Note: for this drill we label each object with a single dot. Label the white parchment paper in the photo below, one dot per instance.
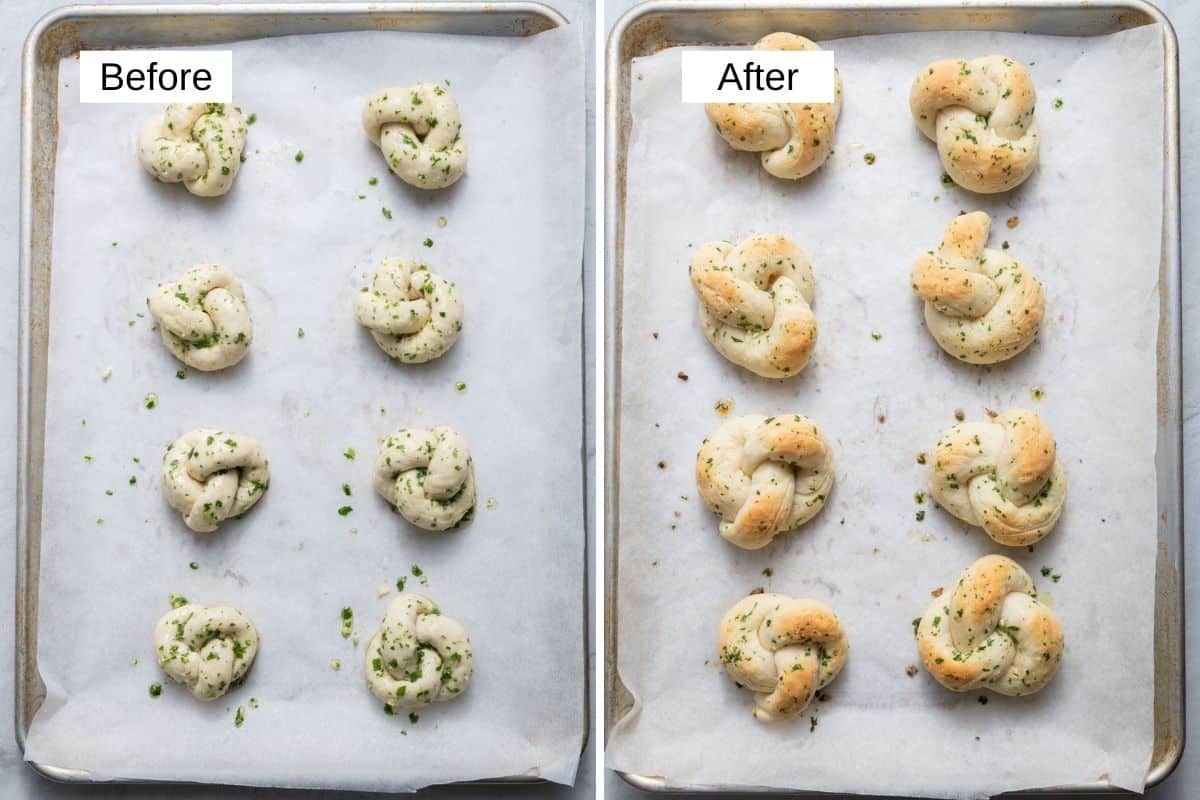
(303, 241)
(1088, 223)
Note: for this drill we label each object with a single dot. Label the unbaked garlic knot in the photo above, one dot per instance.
(764, 476)
(980, 115)
(794, 138)
(1003, 476)
(993, 634)
(210, 476)
(783, 649)
(207, 649)
(428, 476)
(756, 303)
(413, 314)
(419, 655)
(418, 130)
(203, 317)
(981, 305)
(197, 144)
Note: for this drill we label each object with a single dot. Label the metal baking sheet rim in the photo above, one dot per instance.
(64, 31)
(645, 30)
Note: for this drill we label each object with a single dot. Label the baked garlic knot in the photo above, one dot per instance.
(417, 129)
(794, 138)
(415, 315)
(428, 476)
(980, 115)
(764, 476)
(783, 649)
(419, 656)
(197, 144)
(981, 305)
(203, 317)
(1002, 476)
(994, 634)
(756, 303)
(210, 476)
(208, 649)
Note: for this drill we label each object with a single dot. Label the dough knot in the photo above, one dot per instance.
(414, 315)
(203, 317)
(419, 655)
(794, 138)
(783, 649)
(428, 476)
(764, 476)
(418, 130)
(980, 115)
(210, 476)
(981, 305)
(208, 649)
(1003, 476)
(756, 303)
(993, 633)
(198, 144)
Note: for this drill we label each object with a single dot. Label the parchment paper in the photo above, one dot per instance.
(1089, 227)
(304, 243)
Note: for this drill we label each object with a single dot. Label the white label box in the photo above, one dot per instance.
(156, 76)
(757, 76)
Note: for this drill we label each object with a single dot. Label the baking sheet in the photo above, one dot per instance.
(303, 242)
(1089, 225)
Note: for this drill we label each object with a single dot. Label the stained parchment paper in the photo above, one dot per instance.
(1088, 224)
(314, 384)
